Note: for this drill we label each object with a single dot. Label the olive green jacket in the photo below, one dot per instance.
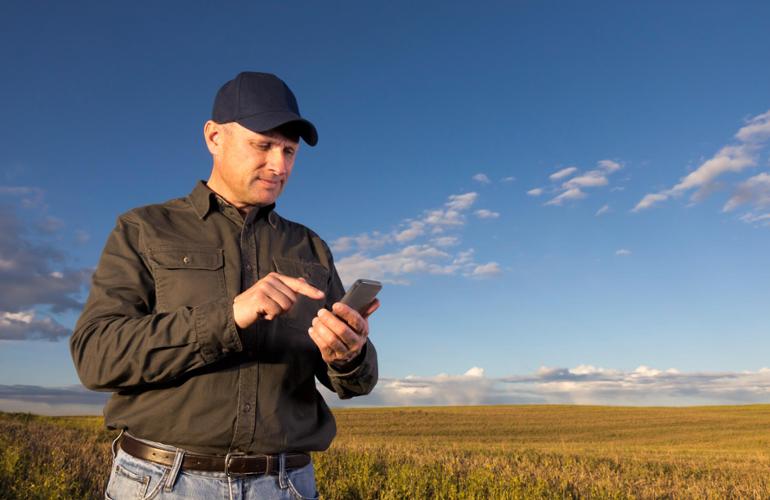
(158, 331)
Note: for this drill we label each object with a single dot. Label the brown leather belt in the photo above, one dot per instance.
(232, 464)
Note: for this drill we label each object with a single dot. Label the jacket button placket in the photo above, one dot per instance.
(247, 400)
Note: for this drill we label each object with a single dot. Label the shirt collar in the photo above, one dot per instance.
(204, 201)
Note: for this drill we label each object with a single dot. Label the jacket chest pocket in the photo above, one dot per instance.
(304, 310)
(187, 278)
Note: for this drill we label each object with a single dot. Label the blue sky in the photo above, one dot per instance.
(567, 201)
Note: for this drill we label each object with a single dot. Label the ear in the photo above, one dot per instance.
(213, 134)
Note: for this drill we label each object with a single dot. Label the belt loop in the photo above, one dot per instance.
(283, 480)
(172, 475)
(115, 442)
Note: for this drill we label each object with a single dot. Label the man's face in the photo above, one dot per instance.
(250, 169)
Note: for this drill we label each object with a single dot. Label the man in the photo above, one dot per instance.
(211, 316)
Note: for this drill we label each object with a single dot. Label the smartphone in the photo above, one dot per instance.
(361, 295)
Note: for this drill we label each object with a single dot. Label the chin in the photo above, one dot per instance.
(265, 200)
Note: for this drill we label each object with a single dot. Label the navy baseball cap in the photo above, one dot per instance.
(261, 102)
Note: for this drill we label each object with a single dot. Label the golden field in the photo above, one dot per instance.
(480, 452)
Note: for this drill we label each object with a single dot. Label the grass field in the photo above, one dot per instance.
(460, 452)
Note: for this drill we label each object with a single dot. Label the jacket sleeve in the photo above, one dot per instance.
(119, 342)
(359, 377)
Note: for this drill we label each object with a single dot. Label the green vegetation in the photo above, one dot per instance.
(460, 452)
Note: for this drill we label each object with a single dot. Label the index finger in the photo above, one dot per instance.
(301, 286)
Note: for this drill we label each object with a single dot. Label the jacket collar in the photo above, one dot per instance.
(204, 201)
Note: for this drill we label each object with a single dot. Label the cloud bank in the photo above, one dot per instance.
(35, 279)
(584, 384)
(74, 400)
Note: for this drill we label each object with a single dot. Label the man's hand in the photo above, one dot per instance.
(269, 297)
(341, 334)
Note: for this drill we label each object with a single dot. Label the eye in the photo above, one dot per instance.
(289, 151)
(262, 146)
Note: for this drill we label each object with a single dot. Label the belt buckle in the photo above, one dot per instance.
(233, 454)
(229, 457)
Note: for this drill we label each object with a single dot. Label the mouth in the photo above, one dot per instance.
(269, 183)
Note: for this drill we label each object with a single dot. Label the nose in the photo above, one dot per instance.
(277, 161)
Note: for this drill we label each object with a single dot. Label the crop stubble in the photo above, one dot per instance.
(460, 452)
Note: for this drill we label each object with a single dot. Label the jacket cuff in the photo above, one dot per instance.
(215, 330)
(360, 365)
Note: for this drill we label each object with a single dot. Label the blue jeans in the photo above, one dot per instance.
(133, 478)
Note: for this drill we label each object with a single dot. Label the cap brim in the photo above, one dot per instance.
(262, 122)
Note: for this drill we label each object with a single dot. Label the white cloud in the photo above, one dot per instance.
(464, 258)
(570, 194)
(444, 218)
(649, 200)
(609, 166)
(361, 242)
(26, 325)
(415, 229)
(594, 178)
(387, 267)
(756, 130)
(415, 259)
(481, 178)
(752, 218)
(25, 317)
(584, 384)
(486, 270)
(733, 158)
(561, 174)
(755, 190)
(573, 188)
(461, 201)
(486, 214)
(452, 214)
(510, 178)
(727, 159)
(623, 252)
(392, 256)
(605, 209)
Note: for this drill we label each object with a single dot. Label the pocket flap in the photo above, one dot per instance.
(180, 258)
(315, 274)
